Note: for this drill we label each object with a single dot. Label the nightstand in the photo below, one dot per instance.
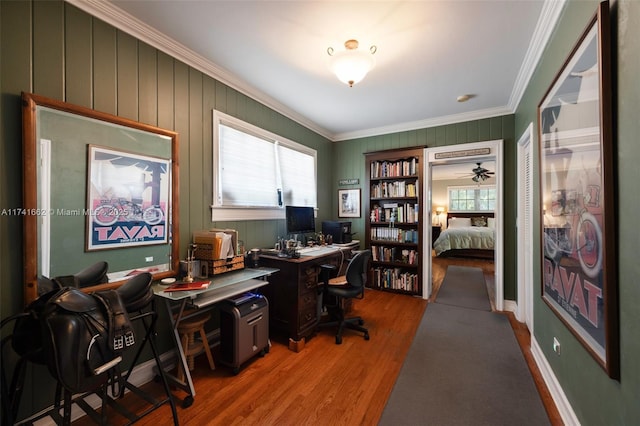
(435, 233)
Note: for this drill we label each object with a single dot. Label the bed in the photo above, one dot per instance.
(467, 235)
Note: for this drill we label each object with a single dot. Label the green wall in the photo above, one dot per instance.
(596, 399)
(349, 163)
(53, 49)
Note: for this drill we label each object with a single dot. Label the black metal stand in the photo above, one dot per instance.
(63, 399)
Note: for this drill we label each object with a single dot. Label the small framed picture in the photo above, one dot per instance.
(349, 202)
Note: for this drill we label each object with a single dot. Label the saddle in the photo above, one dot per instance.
(83, 336)
(78, 336)
(91, 275)
(27, 340)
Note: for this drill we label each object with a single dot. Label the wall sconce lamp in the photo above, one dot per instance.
(351, 64)
(439, 211)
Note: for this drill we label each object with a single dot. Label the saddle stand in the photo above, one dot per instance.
(136, 296)
(111, 403)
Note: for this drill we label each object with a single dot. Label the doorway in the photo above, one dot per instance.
(489, 151)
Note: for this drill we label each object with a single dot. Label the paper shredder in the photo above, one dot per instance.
(244, 329)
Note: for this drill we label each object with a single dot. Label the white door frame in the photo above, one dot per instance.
(524, 312)
(454, 153)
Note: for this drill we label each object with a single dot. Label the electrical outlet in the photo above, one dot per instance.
(148, 259)
(556, 346)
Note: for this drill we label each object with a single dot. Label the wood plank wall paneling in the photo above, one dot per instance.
(78, 67)
(15, 57)
(148, 84)
(48, 49)
(166, 91)
(127, 78)
(104, 55)
(195, 157)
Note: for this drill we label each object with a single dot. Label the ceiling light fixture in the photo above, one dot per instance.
(351, 64)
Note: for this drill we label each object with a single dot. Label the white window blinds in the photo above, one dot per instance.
(257, 171)
(248, 175)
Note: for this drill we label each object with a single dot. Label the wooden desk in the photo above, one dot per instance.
(293, 295)
(222, 287)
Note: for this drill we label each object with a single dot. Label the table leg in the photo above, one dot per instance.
(188, 386)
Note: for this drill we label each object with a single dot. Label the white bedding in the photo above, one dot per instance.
(471, 237)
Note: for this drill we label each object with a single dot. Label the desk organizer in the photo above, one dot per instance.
(207, 250)
(221, 266)
(210, 247)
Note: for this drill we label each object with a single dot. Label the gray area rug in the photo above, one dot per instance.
(465, 287)
(464, 367)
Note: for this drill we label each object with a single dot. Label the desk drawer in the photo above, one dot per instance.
(308, 300)
(308, 279)
(306, 318)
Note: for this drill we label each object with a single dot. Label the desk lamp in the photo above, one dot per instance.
(439, 211)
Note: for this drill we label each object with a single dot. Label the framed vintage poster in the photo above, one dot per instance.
(576, 181)
(128, 196)
(349, 203)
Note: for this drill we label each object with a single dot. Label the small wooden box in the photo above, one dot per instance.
(221, 266)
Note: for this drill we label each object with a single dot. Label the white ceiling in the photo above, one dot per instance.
(428, 53)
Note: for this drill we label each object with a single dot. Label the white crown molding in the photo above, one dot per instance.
(112, 15)
(421, 124)
(547, 21)
(121, 20)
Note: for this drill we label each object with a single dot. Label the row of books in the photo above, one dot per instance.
(406, 167)
(394, 234)
(394, 254)
(394, 278)
(399, 188)
(403, 213)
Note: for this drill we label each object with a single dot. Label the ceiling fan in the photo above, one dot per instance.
(480, 173)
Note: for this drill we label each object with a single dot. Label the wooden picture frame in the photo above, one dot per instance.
(579, 279)
(349, 202)
(57, 137)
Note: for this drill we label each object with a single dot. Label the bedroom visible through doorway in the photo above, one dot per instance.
(464, 187)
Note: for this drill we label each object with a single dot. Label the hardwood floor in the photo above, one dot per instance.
(325, 383)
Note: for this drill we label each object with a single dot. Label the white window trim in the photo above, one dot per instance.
(229, 213)
(449, 188)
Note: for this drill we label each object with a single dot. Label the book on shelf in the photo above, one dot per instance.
(188, 286)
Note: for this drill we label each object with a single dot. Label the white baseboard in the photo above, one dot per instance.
(142, 374)
(510, 306)
(562, 403)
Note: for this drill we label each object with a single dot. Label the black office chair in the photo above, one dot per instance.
(339, 289)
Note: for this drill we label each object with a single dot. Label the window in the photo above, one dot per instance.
(257, 173)
(472, 198)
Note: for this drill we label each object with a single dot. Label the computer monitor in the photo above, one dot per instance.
(300, 220)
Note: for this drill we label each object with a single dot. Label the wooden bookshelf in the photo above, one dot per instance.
(394, 227)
